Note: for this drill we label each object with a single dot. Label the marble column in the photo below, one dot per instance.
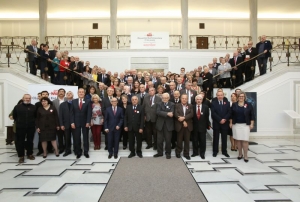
(43, 4)
(184, 24)
(113, 23)
(253, 20)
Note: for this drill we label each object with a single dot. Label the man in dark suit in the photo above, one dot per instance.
(80, 115)
(113, 122)
(163, 83)
(101, 91)
(264, 46)
(183, 125)
(52, 53)
(60, 133)
(149, 106)
(32, 58)
(103, 77)
(76, 66)
(207, 82)
(106, 103)
(172, 89)
(140, 78)
(236, 71)
(134, 124)
(175, 100)
(250, 66)
(64, 122)
(201, 124)
(164, 125)
(189, 92)
(179, 84)
(142, 94)
(220, 113)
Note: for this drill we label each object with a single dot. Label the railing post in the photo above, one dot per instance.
(288, 55)
(214, 42)
(226, 42)
(8, 56)
(71, 42)
(83, 42)
(12, 43)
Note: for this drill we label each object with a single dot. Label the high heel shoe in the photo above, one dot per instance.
(56, 154)
(239, 158)
(44, 156)
(246, 160)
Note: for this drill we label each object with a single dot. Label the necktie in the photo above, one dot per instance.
(198, 112)
(220, 105)
(80, 104)
(150, 101)
(114, 110)
(176, 100)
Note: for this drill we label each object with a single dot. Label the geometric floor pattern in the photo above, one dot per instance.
(272, 174)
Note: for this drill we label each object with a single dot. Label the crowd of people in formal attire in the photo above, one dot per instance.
(131, 107)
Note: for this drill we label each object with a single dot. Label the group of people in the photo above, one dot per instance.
(229, 72)
(174, 117)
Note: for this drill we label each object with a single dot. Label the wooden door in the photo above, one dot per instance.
(95, 42)
(202, 42)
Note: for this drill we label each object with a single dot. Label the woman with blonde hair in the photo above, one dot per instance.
(96, 121)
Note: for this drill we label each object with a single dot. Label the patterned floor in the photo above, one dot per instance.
(272, 174)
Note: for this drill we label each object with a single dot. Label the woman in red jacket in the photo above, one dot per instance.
(63, 71)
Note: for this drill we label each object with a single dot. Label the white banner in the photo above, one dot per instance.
(149, 40)
(34, 89)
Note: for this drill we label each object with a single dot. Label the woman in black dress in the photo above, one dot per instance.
(47, 124)
(124, 133)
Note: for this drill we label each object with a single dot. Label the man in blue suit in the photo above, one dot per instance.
(264, 46)
(220, 112)
(80, 116)
(112, 125)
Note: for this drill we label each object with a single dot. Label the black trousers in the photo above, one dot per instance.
(216, 136)
(61, 137)
(150, 128)
(199, 142)
(21, 134)
(249, 75)
(32, 67)
(85, 138)
(174, 138)
(124, 136)
(67, 136)
(132, 137)
(262, 64)
(183, 136)
(164, 135)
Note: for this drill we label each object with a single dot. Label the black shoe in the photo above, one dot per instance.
(174, 146)
(193, 155)
(124, 148)
(39, 153)
(214, 154)
(109, 156)
(202, 156)
(66, 154)
(148, 147)
(178, 155)
(168, 156)
(61, 151)
(157, 155)
(57, 155)
(78, 156)
(115, 156)
(246, 160)
(44, 156)
(155, 148)
(87, 156)
(187, 157)
(240, 157)
(226, 154)
(105, 148)
(140, 155)
(131, 155)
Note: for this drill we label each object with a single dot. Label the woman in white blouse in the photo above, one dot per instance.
(224, 71)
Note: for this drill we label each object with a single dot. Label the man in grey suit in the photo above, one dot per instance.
(164, 125)
(149, 106)
(60, 133)
(214, 72)
(142, 94)
(32, 58)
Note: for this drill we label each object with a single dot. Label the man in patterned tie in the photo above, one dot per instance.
(201, 124)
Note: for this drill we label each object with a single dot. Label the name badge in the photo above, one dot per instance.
(201, 113)
(137, 112)
(247, 56)
(83, 101)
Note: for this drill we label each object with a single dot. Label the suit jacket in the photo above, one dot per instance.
(188, 117)
(52, 54)
(105, 104)
(251, 54)
(267, 46)
(214, 72)
(193, 94)
(64, 114)
(238, 61)
(209, 83)
(166, 88)
(105, 80)
(80, 117)
(162, 118)
(31, 56)
(182, 86)
(141, 98)
(248, 112)
(134, 119)
(202, 124)
(217, 114)
(224, 99)
(56, 103)
(79, 68)
(173, 100)
(216, 66)
(111, 120)
(102, 94)
(141, 81)
(150, 110)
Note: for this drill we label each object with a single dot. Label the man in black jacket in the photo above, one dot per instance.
(263, 47)
(32, 58)
(24, 116)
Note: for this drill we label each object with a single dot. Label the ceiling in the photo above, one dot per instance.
(79, 9)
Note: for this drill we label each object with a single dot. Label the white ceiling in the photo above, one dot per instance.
(149, 8)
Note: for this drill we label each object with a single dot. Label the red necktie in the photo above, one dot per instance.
(114, 111)
(198, 112)
(80, 104)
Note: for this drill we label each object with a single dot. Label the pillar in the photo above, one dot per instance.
(43, 4)
(253, 20)
(184, 24)
(113, 23)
